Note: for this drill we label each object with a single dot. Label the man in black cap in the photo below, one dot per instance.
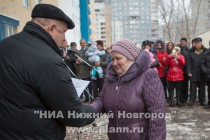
(194, 71)
(35, 82)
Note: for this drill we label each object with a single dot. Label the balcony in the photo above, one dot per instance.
(88, 10)
(89, 31)
(89, 21)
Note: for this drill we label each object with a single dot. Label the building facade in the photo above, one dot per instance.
(134, 20)
(205, 38)
(85, 21)
(155, 27)
(93, 20)
(15, 13)
(103, 22)
(72, 9)
(108, 17)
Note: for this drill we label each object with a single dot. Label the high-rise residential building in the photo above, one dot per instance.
(103, 21)
(134, 20)
(72, 9)
(108, 17)
(15, 13)
(85, 21)
(93, 20)
(200, 15)
(155, 28)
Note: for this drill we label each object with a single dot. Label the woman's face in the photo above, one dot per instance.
(147, 47)
(170, 46)
(120, 63)
(159, 46)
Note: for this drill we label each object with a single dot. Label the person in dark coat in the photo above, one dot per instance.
(71, 58)
(35, 81)
(133, 88)
(197, 78)
(83, 70)
(205, 68)
(184, 51)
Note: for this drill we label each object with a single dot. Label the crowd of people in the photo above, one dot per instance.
(181, 66)
(36, 66)
(181, 69)
(88, 63)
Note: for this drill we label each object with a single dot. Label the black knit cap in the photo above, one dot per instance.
(51, 12)
(197, 39)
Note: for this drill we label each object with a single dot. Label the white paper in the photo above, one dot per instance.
(80, 85)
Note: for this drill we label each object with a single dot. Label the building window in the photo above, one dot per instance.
(103, 32)
(10, 30)
(103, 24)
(97, 10)
(26, 3)
(38, 1)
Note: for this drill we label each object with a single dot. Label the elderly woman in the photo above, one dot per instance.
(132, 92)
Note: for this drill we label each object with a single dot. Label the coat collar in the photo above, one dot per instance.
(39, 32)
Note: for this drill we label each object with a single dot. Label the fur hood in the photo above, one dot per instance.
(162, 43)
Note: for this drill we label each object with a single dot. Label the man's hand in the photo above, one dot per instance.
(97, 64)
(78, 61)
(190, 74)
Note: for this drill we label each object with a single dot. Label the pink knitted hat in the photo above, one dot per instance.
(126, 48)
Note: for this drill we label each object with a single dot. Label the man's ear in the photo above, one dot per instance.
(51, 29)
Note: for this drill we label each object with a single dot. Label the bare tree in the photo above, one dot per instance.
(176, 15)
(166, 13)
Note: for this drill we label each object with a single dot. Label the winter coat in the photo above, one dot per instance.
(83, 68)
(139, 90)
(193, 65)
(103, 62)
(93, 54)
(175, 68)
(71, 61)
(205, 65)
(161, 55)
(34, 78)
(162, 67)
(184, 51)
(154, 61)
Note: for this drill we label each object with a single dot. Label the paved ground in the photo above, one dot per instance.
(186, 123)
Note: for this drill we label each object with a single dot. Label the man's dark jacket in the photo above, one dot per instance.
(205, 65)
(185, 52)
(193, 65)
(33, 77)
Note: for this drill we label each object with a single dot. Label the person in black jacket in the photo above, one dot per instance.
(71, 58)
(205, 68)
(194, 71)
(36, 83)
(184, 51)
